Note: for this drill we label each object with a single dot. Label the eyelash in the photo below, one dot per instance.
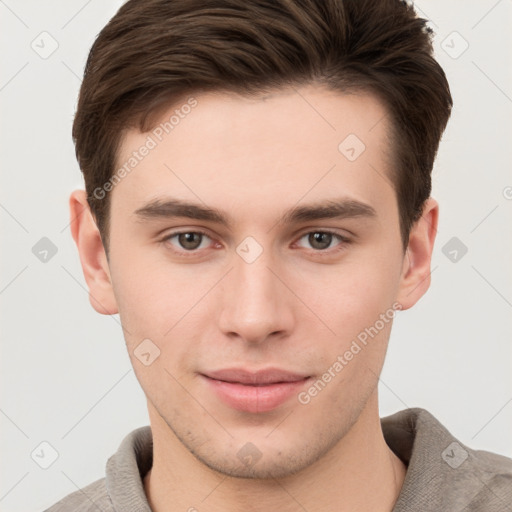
(318, 252)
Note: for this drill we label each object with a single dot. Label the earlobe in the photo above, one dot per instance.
(93, 259)
(415, 279)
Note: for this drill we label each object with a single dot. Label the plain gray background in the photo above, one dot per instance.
(66, 377)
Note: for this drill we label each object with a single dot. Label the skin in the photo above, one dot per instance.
(291, 308)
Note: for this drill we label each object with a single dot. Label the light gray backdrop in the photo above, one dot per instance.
(66, 377)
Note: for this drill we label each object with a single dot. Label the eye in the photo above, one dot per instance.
(187, 240)
(322, 240)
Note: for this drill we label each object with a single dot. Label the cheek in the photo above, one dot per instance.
(349, 298)
(153, 293)
(163, 304)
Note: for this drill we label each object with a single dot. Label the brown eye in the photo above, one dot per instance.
(190, 240)
(321, 243)
(320, 240)
(187, 241)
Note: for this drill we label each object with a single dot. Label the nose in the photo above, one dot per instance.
(255, 302)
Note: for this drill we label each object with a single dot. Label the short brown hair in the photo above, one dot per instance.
(155, 51)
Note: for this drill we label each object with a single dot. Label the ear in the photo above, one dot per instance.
(415, 278)
(92, 254)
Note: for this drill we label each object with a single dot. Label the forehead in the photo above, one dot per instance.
(228, 149)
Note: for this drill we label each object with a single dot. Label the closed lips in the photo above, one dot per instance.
(257, 378)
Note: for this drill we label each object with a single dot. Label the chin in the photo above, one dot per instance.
(257, 471)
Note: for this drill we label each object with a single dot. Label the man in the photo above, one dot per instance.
(257, 210)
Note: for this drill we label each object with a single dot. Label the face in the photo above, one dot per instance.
(257, 318)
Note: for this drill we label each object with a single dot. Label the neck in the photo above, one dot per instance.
(359, 473)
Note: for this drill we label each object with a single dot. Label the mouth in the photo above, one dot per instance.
(255, 392)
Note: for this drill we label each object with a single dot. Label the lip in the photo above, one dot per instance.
(256, 391)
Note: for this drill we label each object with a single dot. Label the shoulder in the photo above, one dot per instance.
(489, 475)
(92, 497)
(122, 487)
(443, 473)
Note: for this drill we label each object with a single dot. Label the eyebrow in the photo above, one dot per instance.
(342, 208)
